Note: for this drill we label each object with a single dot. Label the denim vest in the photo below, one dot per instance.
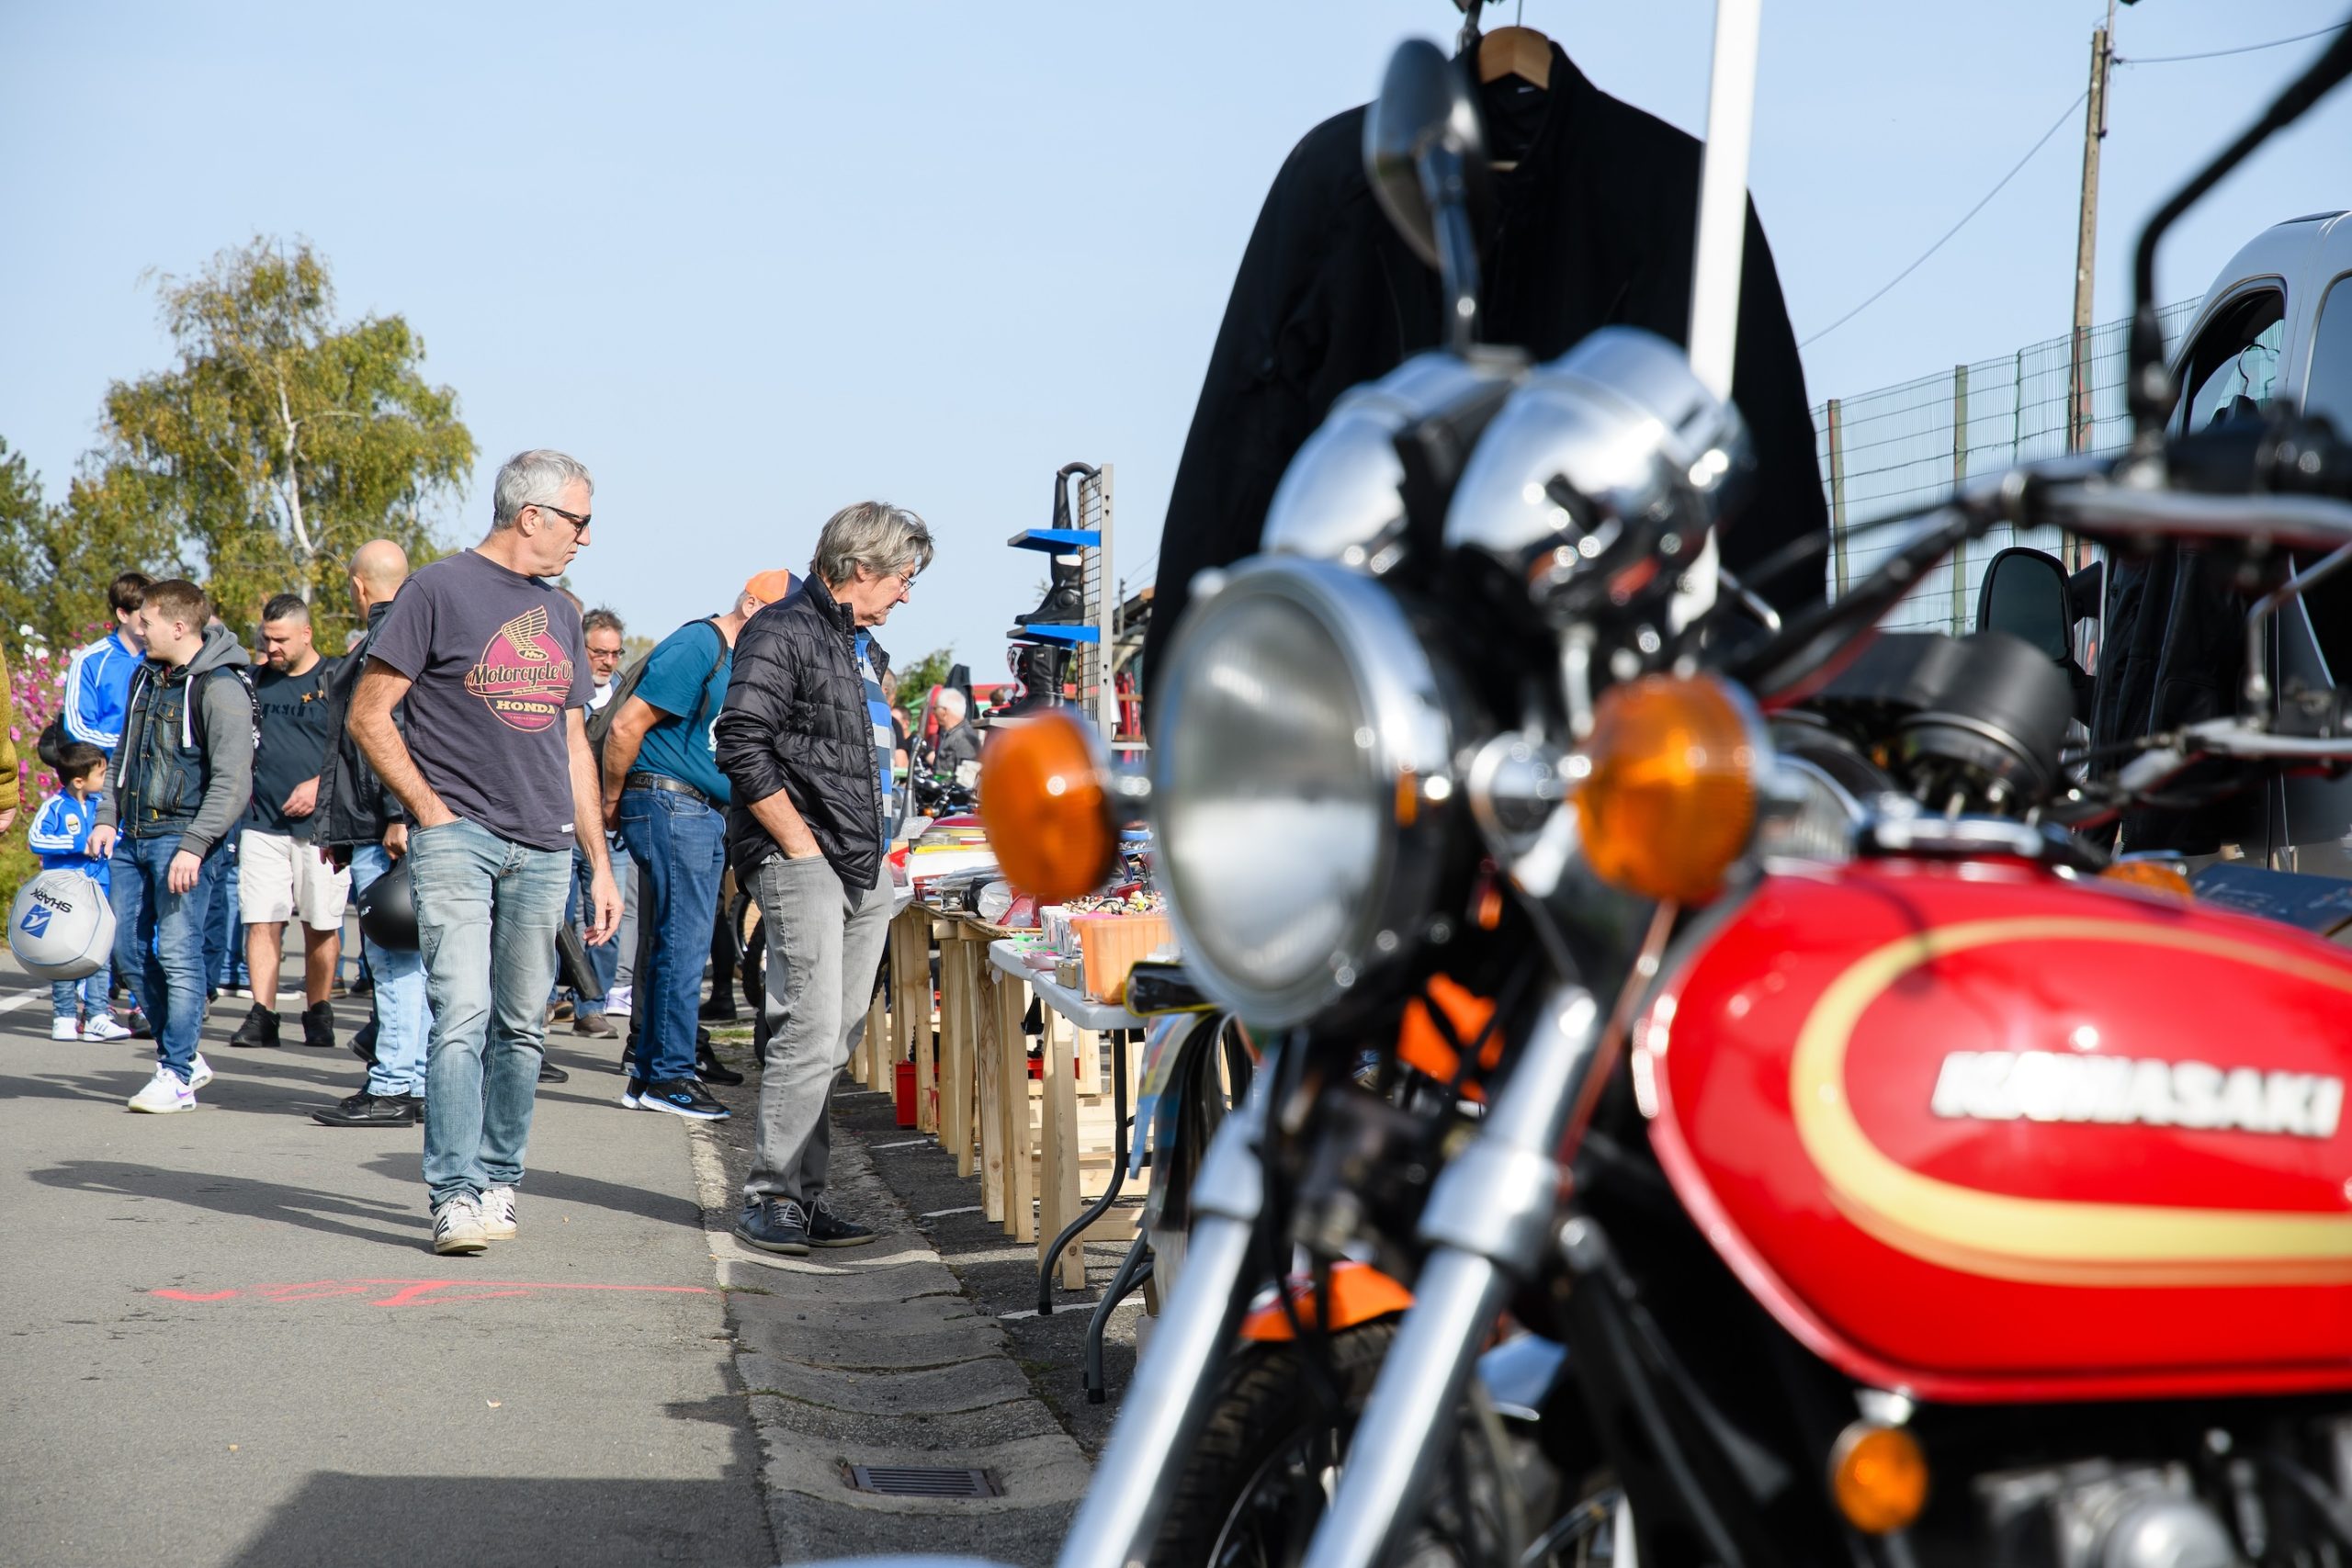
(161, 760)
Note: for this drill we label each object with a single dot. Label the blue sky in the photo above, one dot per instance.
(753, 262)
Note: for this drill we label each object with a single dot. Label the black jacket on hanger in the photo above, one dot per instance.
(1596, 226)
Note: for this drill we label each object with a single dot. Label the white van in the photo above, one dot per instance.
(2275, 331)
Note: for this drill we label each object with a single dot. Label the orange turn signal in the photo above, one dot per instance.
(1046, 806)
(1879, 1477)
(2155, 875)
(1670, 801)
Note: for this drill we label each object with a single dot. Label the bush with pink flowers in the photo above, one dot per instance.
(37, 689)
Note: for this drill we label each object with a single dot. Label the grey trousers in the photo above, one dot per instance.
(824, 944)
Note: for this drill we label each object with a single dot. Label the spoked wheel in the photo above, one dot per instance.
(1264, 1470)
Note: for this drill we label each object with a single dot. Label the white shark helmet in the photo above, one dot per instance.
(61, 927)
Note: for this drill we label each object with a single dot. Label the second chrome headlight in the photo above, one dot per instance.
(1301, 785)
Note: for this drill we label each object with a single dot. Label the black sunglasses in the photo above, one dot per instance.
(579, 524)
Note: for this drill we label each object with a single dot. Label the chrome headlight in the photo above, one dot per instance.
(1602, 476)
(1343, 498)
(1301, 785)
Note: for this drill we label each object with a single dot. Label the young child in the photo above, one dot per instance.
(59, 836)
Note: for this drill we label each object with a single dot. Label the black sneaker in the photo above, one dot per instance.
(136, 1021)
(774, 1224)
(828, 1229)
(710, 1069)
(362, 1042)
(258, 1031)
(550, 1073)
(679, 1097)
(718, 1010)
(366, 1109)
(317, 1026)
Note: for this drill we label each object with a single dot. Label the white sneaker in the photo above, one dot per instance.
(67, 1029)
(456, 1226)
(616, 1000)
(102, 1028)
(498, 1213)
(199, 1072)
(164, 1092)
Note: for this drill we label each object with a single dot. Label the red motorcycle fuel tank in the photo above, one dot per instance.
(1981, 1132)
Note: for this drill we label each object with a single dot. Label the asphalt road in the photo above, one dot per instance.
(229, 1340)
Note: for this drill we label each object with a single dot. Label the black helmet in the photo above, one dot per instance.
(388, 909)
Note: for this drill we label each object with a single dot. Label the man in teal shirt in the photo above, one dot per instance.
(664, 793)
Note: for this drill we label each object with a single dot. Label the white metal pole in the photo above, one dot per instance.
(1722, 192)
(1723, 231)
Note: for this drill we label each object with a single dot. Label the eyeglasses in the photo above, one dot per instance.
(579, 524)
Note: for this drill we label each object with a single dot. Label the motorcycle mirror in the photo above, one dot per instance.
(2025, 594)
(1428, 166)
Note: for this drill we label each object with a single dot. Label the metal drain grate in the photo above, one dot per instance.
(923, 1481)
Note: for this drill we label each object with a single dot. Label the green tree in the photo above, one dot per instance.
(922, 674)
(55, 561)
(281, 441)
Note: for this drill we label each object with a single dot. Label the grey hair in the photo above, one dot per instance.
(534, 479)
(600, 619)
(875, 535)
(952, 700)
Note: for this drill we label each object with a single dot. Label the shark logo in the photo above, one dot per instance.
(523, 674)
(36, 920)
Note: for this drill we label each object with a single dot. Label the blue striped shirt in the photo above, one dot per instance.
(885, 735)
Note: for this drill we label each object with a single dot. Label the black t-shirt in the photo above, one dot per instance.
(293, 742)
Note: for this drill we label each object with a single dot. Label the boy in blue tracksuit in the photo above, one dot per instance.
(59, 837)
(98, 681)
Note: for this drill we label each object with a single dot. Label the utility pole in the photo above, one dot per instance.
(2078, 369)
(2078, 378)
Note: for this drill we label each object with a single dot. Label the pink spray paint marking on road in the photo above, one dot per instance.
(415, 1292)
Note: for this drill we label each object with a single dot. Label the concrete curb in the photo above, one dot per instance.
(876, 1356)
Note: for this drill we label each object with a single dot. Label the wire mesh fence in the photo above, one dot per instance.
(1901, 447)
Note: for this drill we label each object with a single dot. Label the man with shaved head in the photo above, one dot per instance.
(363, 823)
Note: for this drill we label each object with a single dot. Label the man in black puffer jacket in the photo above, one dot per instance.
(804, 740)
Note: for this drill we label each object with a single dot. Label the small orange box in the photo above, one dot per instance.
(1113, 944)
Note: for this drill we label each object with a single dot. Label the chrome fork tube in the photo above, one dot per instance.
(1489, 1219)
(1162, 1411)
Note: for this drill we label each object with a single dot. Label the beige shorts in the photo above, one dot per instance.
(280, 878)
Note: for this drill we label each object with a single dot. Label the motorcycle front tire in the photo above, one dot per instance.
(1254, 1486)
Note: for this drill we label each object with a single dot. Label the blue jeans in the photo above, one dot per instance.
(404, 1016)
(224, 932)
(164, 932)
(682, 845)
(605, 961)
(487, 911)
(70, 998)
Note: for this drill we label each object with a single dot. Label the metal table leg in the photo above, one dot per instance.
(1133, 1271)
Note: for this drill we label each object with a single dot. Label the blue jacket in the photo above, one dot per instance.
(98, 690)
(59, 836)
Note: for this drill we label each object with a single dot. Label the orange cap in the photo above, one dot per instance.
(768, 587)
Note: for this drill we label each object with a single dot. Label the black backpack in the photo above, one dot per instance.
(600, 723)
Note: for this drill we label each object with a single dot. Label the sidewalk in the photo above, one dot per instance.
(230, 1341)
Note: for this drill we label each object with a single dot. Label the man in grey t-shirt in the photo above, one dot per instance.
(494, 769)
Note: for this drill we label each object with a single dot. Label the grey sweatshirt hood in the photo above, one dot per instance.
(228, 730)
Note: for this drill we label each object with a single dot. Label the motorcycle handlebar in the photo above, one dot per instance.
(2284, 486)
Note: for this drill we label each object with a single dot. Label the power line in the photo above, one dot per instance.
(2067, 115)
(2218, 54)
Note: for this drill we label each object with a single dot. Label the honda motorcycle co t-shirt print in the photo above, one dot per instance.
(496, 658)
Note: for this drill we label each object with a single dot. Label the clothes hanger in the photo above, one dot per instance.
(1516, 52)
